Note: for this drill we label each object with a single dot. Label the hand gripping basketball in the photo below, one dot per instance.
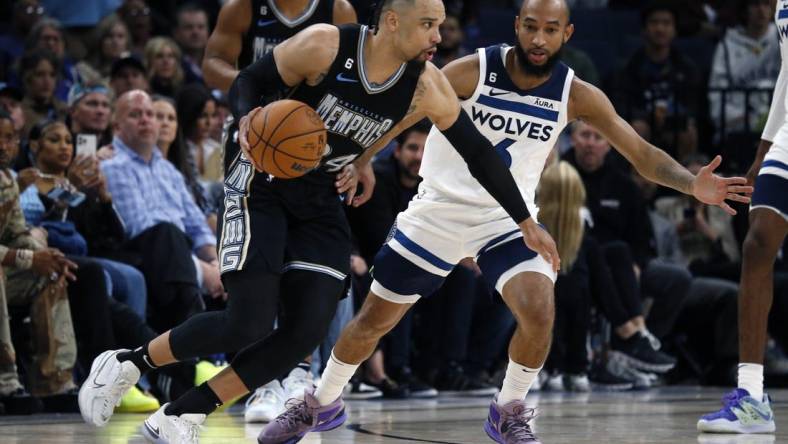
(286, 138)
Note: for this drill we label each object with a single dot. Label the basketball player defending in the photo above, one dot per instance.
(245, 31)
(290, 237)
(520, 98)
(747, 409)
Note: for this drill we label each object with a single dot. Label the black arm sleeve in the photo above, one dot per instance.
(256, 84)
(486, 166)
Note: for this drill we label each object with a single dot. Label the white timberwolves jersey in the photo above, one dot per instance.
(523, 126)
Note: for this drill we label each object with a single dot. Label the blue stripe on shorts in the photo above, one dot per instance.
(401, 276)
(771, 190)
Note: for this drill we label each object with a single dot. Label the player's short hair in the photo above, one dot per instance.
(384, 5)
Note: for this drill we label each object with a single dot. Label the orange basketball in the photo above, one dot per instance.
(288, 138)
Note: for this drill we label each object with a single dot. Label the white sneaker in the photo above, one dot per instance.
(170, 429)
(104, 387)
(555, 382)
(578, 383)
(297, 382)
(266, 403)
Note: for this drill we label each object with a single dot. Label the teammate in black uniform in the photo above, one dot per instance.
(248, 29)
(245, 31)
(291, 236)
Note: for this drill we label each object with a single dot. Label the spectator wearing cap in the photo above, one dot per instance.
(11, 102)
(112, 43)
(163, 60)
(89, 112)
(191, 33)
(39, 72)
(47, 35)
(127, 73)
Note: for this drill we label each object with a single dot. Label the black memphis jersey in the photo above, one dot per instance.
(269, 27)
(357, 113)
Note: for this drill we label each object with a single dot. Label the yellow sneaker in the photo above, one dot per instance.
(204, 371)
(137, 401)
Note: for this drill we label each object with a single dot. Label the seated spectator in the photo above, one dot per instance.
(26, 14)
(450, 47)
(620, 223)
(47, 35)
(162, 221)
(191, 33)
(581, 63)
(748, 57)
(561, 196)
(162, 58)
(39, 72)
(137, 16)
(113, 42)
(196, 114)
(11, 102)
(89, 109)
(127, 73)
(208, 196)
(658, 89)
(34, 278)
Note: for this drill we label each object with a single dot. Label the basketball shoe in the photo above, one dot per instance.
(266, 403)
(302, 417)
(160, 428)
(740, 413)
(511, 423)
(108, 381)
(297, 383)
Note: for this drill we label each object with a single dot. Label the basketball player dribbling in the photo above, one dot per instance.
(245, 31)
(291, 237)
(520, 98)
(747, 409)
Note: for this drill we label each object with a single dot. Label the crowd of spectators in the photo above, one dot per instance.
(110, 184)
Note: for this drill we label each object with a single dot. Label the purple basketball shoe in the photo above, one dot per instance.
(510, 424)
(302, 417)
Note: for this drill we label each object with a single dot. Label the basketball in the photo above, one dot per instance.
(287, 138)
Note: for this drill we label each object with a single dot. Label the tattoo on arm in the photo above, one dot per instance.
(670, 173)
(417, 95)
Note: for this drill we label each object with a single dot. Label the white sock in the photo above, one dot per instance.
(517, 382)
(751, 379)
(335, 377)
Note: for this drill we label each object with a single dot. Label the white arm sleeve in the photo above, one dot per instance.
(777, 111)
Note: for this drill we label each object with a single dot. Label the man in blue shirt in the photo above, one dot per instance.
(162, 221)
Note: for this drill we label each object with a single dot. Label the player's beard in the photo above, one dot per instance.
(542, 70)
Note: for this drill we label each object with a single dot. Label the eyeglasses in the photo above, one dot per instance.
(34, 10)
(139, 11)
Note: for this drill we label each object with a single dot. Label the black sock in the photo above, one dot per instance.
(200, 399)
(139, 357)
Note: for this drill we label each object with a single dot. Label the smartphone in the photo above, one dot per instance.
(86, 144)
(71, 199)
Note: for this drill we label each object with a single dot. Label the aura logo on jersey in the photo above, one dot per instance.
(512, 125)
(348, 120)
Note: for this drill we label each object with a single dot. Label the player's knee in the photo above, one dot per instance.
(535, 309)
(757, 246)
(241, 334)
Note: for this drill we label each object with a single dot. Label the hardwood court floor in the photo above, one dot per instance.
(658, 416)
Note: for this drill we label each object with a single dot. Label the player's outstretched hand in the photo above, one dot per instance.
(347, 182)
(366, 177)
(540, 241)
(243, 131)
(712, 189)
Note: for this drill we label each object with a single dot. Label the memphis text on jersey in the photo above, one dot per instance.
(348, 120)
